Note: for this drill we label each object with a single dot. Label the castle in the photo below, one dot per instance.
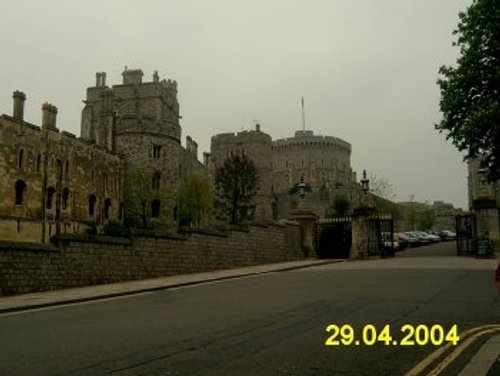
(130, 147)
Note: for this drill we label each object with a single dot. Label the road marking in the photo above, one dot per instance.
(440, 351)
(450, 358)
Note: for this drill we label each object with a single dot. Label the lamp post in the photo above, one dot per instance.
(365, 183)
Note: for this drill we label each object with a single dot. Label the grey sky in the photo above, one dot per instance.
(366, 68)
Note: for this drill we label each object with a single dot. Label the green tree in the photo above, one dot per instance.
(236, 183)
(341, 205)
(195, 199)
(144, 197)
(426, 219)
(470, 92)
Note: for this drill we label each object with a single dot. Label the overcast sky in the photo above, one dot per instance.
(366, 68)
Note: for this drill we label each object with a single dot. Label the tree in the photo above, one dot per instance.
(341, 205)
(195, 199)
(237, 183)
(381, 187)
(145, 198)
(426, 219)
(470, 92)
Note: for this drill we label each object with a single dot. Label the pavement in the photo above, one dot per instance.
(485, 362)
(82, 294)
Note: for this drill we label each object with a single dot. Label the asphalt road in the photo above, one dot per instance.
(271, 324)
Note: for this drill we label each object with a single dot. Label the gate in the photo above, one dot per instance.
(466, 234)
(380, 236)
(334, 237)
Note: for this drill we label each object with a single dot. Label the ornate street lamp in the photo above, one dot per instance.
(365, 183)
(302, 188)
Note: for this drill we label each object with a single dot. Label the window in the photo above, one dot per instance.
(50, 197)
(20, 188)
(155, 208)
(38, 163)
(156, 181)
(65, 198)
(107, 207)
(66, 170)
(92, 201)
(20, 158)
(156, 151)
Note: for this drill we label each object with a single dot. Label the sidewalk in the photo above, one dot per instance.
(83, 294)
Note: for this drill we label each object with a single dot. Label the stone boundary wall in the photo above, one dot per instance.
(74, 261)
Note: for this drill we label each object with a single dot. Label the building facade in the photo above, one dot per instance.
(484, 203)
(129, 150)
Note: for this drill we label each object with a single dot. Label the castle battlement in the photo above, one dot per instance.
(309, 139)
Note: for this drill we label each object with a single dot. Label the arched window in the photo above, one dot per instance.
(20, 158)
(20, 188)
(65, 198)
(107, 207)
(156, 181)
(155, 208)
(92, 201)
(50, 197)
(38, 165)
(66, 170)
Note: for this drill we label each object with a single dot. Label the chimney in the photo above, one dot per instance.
(194, 149)
(49, 114)
(189, 143)
(19, 98)
(103, 78)
(257, 127)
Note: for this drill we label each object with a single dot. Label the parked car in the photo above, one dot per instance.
(447, 235)
(430, 237)
(411, 240)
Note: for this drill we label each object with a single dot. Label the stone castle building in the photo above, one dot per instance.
(129, 161)
(322, 162)
(54, 182)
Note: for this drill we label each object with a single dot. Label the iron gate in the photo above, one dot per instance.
(380, 236)
(334, 237)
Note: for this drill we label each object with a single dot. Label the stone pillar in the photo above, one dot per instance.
(308, 222)
(488, 222)
(19, 98)
(360, 232)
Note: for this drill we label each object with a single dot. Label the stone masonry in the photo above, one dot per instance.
(78, 261)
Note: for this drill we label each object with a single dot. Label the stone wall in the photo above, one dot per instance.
(74, 261)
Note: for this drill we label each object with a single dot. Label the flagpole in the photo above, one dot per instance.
(303, 116)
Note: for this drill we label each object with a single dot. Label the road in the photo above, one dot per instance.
(270, 324)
